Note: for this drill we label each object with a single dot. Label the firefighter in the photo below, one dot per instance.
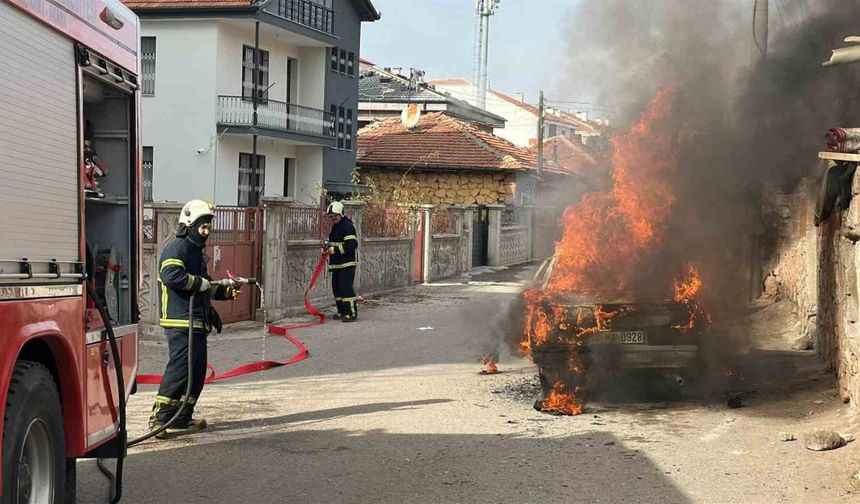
(341, 248)
(183, 272)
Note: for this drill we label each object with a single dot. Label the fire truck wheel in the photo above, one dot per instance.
(34, 453)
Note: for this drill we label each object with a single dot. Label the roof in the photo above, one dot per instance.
(562, 155)
(365, 7)
(380, 86)
(561, 117)
(439, 141)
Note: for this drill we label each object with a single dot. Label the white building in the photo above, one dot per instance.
(198, 122)
(521, 126)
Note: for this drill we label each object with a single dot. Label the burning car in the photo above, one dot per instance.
(580, 339)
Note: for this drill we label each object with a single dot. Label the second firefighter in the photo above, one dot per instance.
(341, 248)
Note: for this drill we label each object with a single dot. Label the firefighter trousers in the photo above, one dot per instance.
(344, 293)
(171, 392)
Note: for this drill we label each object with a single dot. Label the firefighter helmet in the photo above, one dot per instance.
(336, 207)
(195, 209)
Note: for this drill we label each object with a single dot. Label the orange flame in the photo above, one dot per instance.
(607, 235)
(490, 366)
(686, 291)
(560, 401)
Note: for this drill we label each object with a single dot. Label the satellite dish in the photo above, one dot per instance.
(410, 116)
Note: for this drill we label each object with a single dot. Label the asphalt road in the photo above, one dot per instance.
(383, 412)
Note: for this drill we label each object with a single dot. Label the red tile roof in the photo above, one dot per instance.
(562, 155)
(439, 141)
(186, 4)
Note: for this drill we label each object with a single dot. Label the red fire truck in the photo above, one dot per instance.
(70, 212)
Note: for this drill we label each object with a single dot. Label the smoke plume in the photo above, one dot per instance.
(749, 118)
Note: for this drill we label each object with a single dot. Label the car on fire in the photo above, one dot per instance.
(579, 340)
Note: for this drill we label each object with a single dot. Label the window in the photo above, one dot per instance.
(349, 129)
(289, 176)
(551, 131)
(292, 81)
(340, 128)
(251, 181)
(248, 74)
(147, 65)
(350, 64)
(334, 59)
(342, 61)
(147, 174)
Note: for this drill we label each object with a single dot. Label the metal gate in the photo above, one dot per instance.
(480, 237)
(236, 245)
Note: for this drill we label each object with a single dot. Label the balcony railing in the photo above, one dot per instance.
(275, 115)
(315, 14)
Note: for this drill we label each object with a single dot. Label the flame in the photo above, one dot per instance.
(607, 235)
(602, 321)
(560, 401)
(490, 366)
(686, 291)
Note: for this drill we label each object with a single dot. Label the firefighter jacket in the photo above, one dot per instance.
(181, 270)
(345, 242)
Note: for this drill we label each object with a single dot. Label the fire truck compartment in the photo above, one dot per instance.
(110, 222)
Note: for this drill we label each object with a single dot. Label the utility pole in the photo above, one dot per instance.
(483, 10)
(541, 115)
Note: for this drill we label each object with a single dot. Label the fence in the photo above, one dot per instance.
(397, 246)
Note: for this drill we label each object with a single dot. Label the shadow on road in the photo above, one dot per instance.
(326, 414)
(346, 466)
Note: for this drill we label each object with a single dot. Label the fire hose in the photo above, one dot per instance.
(122, 441)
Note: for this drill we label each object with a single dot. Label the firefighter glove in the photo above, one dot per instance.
(233, 292)
(205, 285)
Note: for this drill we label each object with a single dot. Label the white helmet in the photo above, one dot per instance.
(336, 207)
(195, 209)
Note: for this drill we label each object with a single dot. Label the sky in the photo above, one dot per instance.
(438, 36)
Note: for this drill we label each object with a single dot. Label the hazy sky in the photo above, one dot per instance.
(437, 36)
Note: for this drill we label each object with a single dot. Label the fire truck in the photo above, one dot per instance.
(70, 234)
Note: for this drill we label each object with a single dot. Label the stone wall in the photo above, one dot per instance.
(838, 266)
(442, 188)
(816, 270)
(791, 248)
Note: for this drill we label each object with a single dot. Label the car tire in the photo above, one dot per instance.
(34, 452)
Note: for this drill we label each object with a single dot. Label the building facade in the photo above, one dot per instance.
(206, 112)
(521, 117)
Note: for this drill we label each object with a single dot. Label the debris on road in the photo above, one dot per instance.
(425, 328)
(823, 440)
(786, 436)
(735, 400)
(490, 367)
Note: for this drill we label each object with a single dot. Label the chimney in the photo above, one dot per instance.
(520, 96)
(582, 116)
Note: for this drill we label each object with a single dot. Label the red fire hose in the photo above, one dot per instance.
(253, 367)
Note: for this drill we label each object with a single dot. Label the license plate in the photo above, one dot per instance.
(622, 337)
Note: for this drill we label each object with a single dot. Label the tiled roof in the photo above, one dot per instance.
(439, 141)
(375, 86)
(186, 4)
(562, 155)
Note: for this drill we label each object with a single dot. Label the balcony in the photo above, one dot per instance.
(314, 14)
(277, 119)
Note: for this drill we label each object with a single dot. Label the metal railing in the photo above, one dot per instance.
(305, 222)
(387, 222)
(276, 115)
(315, 14)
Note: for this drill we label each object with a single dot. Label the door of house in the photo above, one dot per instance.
(480, 237)
(235, 245)
(418, 261)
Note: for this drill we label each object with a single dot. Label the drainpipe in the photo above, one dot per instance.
(255, 98)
